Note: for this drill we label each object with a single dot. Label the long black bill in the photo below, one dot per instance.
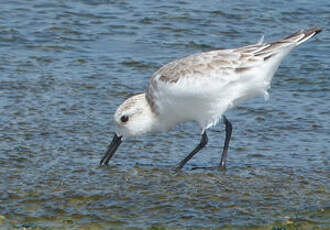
(116, 141)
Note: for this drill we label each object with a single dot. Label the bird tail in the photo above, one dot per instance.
(267, 50)
(283, 46)
(302, 36)
(273, 53)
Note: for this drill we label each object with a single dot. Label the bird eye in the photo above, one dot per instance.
(124, 118)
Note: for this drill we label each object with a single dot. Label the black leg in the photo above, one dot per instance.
(225, 147)
(201, 145)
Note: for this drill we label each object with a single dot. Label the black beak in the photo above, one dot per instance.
(116, 141)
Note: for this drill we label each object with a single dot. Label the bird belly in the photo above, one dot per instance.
(206, 100)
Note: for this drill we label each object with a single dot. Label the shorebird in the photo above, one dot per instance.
(201, 88)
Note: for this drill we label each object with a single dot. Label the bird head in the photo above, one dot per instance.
(133, 117)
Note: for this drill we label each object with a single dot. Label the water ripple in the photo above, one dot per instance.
(66, 66)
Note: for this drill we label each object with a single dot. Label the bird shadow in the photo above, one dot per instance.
(187, 168)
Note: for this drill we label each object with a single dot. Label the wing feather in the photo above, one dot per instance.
(222, 66)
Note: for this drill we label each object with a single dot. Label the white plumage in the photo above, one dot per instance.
(202, 87)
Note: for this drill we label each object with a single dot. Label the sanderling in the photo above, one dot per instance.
(201, 88)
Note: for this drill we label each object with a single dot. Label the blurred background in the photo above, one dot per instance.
(65, 66)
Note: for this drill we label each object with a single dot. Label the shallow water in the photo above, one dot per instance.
(66, 66)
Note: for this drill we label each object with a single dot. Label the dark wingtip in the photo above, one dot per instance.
(306, 33)
(315, 30)
(318, 30)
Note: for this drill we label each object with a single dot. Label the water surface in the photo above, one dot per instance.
(66, 66)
